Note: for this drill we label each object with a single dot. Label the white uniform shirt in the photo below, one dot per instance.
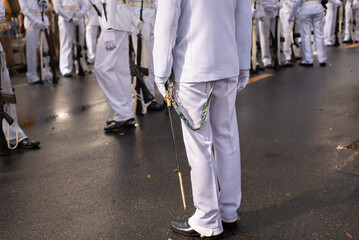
(92, 17)
(32, 12)
(305, 9)
(149, 14)
(202, 40)
(81, 5)
(270, 8)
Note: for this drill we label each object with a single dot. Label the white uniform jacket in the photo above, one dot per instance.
(225, 27)
(2, 13)
(120, 16)
(67, 8)
(306, 9)
(32, 12)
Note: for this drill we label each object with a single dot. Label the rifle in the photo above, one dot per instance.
(81, 71)
(4, 99)
(140, 85)
(276, 43)
(50, 51)
(139, 72)
(336, 43)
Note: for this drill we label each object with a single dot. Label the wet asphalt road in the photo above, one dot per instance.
(84, 184)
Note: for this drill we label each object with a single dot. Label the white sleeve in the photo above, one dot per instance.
(59, 10)
(165, 34)
(25, 10)
(295, 7)
(111, 13)
(243, 32)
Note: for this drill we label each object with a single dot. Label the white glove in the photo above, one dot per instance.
(75, 20)
(41, 24)
(79, 14)
(109, 39)
(242, 79)
(138, 24)
(160, 82)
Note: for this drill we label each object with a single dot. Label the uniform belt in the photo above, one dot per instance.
(70, 8)
(310, 2)
(37, 14)
(119, 2)
(145, 4)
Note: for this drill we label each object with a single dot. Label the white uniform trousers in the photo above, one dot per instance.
(287, 34)
(266, 27)
(208, 168)
(113, 75)
(91, 41)
(307, 23)
(355, 17)
(147, 33)
(347, 9)
(10, 130)
(32, 44)
(67, 32)
(329, 24)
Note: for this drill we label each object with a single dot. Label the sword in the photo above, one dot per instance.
(169, 100)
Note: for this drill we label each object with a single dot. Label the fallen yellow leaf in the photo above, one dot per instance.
(175, 170)
(69, 180)
(348, 235)
(148, 176)
(121, 134)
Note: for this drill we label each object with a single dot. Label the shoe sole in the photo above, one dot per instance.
(116, 130)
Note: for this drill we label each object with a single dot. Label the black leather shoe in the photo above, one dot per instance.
(67, 75)
(154, 106)
(108, 122)
(270, 66)
(288, 64)
(323, 64)
(182, 227)
(28, 144)
(37, 82)
(347, 41)
(306, 64)
(118, 126)
(229, 226)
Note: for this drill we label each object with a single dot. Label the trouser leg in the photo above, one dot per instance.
(305, 32)
(10, 130)
(226, 147)
(32, 43)
(67, 38)
(287, 34)
(113, 75)
(264, 41)
(91, 40)
(318, 36)
(347, 10)
(356, 29)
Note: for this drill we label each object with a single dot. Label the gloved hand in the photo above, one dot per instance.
(138, 24)
(41, 24)
(79, 14)
(242, 79)
(338, 3)
(253, 11)
(160, 82)
(75, 20)
(43, 5)
(109, 39)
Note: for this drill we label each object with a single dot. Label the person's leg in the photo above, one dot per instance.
(113, 75)
(226, 147)
(263, 27)
(305, 32)
(356, 29)
(32, 44)
(191, 97)
(67, 38)
(347, 10)
(287, 31)
(91, 40)
(318, 36)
